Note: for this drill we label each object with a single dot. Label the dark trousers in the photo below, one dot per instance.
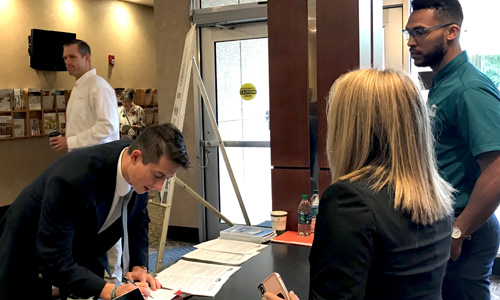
(468, 276)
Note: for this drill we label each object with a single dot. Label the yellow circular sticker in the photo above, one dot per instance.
(248, 91)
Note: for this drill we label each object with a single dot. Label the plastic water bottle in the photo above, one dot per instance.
(304, 216)
(314, 208)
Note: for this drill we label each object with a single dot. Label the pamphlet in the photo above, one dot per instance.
(248, 233)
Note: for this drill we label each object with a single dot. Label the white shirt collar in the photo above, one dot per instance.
(85, 77)
(122, 186)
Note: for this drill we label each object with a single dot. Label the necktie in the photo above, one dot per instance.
(126, 255)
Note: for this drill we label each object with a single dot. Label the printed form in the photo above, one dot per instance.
(196, 278)
(231, 246)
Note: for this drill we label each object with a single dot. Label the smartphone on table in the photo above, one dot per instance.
(274, 284)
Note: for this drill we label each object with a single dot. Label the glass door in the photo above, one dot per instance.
(234, 67)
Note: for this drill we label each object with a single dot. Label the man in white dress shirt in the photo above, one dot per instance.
(92, 111)
(91, 117)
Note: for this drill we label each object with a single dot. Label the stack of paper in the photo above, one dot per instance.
(60, 99)
(248, 233)
(231, 246)
(195, 278)
(18, 124)
(49, 122)
(225, 251)
(5, 127)
(5, 97)
(162, 294)
(34, 99)
(48, 99)
(206, 279)
(18, 103)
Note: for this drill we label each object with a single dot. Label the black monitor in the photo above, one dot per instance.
(46, 49)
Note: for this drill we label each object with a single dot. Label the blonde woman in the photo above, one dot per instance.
(384, 225)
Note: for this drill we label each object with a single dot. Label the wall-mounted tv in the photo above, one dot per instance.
(46, 49)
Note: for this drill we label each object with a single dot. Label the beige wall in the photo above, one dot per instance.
(110, 27)
(171, 25)
(22, 161)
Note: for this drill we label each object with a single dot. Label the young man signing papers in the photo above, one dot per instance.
(57, 231)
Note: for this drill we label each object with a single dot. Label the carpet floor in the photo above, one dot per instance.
(170, 256)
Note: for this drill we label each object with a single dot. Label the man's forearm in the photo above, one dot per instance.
(485, 196)
(106, 291)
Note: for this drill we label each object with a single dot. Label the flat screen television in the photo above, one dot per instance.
(46, 49)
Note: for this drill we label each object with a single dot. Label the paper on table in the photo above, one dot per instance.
(162, 294)
(220, 257)
(196, 278)
(231, 246)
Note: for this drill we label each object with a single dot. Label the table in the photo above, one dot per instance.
(290, 261)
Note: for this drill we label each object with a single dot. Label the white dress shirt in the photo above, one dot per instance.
(92, 112)
(122, 188)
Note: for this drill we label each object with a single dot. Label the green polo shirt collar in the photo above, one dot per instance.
(449, 69)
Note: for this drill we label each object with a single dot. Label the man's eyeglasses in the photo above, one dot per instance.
(421, 32)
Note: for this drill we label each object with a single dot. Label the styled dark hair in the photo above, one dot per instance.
(83, 47)
(158, 140)
(444, 10)
(127, 94)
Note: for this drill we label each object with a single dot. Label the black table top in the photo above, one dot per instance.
(290, 261)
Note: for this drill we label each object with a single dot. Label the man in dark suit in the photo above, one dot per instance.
(57, 231)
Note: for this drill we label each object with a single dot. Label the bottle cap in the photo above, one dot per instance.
(305, 196)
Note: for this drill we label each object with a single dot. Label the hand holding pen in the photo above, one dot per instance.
(143, 287)
(178, 294)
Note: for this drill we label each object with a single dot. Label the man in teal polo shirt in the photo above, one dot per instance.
(465, 105)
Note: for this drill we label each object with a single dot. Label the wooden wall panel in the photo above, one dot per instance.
(337, 47)
(288, 186)
(288, 83)
(324, 180)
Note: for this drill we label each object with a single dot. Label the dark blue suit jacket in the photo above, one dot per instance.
(52, 227)
(365, 249)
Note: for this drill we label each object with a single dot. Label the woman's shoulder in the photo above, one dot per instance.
(357, 193)
(345, 191)
(360, 187)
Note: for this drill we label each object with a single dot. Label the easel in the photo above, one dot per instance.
(189, 64)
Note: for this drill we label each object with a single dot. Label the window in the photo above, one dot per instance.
(478, 36)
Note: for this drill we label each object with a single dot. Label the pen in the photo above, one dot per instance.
(178, 292)
(126, 280)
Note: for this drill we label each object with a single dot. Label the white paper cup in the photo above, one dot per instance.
(278, 221)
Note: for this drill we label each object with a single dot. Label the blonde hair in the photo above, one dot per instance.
(379, 129)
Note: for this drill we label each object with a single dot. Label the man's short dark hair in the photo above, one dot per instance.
(444, 10)
(83, 47)
(158, 140)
